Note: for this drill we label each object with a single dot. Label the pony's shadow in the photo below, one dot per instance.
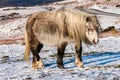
(98, 59)
(54, 64)
(101, 58)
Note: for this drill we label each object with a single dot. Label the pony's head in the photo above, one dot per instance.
(92, 30)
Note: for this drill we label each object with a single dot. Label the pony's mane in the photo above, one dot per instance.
(76, 22)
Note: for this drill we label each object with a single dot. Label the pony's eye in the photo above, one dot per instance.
(92, 29)
(88, 29)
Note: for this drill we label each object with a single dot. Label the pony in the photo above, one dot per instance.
(58, 28)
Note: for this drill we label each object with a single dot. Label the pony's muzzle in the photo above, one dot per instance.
(95, 41)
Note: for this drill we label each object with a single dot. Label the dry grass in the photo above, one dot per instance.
(12, 41)
(110, 31)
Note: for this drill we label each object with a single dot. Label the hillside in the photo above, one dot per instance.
(101, 62)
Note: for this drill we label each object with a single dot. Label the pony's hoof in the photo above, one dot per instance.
(79, 64)
(38, 64)
(61, 67)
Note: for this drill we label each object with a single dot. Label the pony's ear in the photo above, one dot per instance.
(88, 19)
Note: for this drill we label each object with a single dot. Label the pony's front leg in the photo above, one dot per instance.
(78, 59)
(60, 54)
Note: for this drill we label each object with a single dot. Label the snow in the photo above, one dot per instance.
(106, 8)
(107, 21)
(104, 20)
(105, 55)
(12, 26)
(101, 62)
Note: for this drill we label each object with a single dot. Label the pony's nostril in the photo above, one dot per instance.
(95, 41)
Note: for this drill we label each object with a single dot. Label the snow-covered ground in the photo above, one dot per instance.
(101, 62)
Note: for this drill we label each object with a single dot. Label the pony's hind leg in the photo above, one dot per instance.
(37, 61)
(60, 54)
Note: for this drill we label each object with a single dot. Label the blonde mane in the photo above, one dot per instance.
(76, 23)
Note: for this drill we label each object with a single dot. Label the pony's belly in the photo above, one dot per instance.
(54, 40)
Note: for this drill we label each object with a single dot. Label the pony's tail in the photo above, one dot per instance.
(29, 24)
(27, 47)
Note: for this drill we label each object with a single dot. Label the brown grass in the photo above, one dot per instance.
(110, 31)
(12, 41)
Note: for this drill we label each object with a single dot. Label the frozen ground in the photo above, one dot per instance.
(100, 63)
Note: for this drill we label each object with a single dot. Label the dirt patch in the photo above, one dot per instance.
(110, 31)
(12, 41)
(15, 8)
(10, 16)
(4, 19)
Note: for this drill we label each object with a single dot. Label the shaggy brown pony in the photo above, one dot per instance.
(58, 28)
